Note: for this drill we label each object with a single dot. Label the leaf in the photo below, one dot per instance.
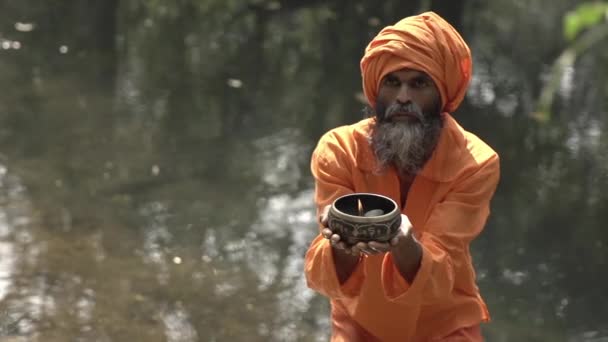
(583, 17)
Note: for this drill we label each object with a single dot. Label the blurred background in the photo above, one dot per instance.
(154, 163)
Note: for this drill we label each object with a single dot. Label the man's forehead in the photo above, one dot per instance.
(407, 73)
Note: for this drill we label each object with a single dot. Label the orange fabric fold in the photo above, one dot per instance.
(468, 334)
(448, 204)
(424, 42)
(327, 283)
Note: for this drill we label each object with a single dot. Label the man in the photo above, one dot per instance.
(421, 285)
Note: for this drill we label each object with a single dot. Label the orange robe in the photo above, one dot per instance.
(448, 204)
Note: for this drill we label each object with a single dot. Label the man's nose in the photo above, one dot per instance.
(403, 95)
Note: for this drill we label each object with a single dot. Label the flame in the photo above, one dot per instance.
(360, 207)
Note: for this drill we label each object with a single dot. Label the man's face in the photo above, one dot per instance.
(408, 112)
(406, 87)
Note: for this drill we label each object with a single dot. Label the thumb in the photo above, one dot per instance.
(406, 225)
(324, 215)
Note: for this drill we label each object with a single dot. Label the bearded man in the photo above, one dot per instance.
(421, 285)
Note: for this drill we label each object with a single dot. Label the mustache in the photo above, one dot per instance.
(410, 108)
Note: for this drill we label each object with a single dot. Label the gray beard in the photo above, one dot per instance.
(405, 145)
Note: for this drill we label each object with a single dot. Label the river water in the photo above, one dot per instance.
(154, 181)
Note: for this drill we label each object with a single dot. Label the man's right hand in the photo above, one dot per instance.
(333, 238)
(337, 243)
(346, 258)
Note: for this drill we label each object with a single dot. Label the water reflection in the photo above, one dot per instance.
(178, 327)
(7, 252)
(156, 237)
(7, 255)
(22, 308)
(279, 155)
(291, 218)
(154, 181)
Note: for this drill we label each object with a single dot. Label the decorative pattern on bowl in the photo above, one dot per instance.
(347, 219)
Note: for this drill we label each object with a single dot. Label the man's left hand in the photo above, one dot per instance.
(403, 238)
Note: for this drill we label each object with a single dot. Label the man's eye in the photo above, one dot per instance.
(393, 82)
(420, 83)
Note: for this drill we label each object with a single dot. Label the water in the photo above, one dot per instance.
(154, 181)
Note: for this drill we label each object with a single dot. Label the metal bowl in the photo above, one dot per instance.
(348, 220)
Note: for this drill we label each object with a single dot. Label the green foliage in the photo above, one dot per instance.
(583, 17)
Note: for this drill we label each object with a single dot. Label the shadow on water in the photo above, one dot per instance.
(154, 181)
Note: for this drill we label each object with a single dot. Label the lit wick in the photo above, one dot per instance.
(373, 212)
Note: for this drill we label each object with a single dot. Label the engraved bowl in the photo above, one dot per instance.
(348, 220)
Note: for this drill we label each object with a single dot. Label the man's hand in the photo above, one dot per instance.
(407, 252)
(403, 239)
(335, 239)
(367, 248)
(346, 258)
(405, 234)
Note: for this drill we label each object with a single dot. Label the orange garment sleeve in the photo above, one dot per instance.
(332, 180)
(453, 223)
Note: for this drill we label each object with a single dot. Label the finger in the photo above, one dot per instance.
(340, 247)
(346, 248)
(335, 238)
(371, 251)
(405, 220)
(326, 232)
(336, 242)
(324, 215)
(339, 244)
(394, 241)
(354, 250)
(366, 252)
(363, 247)
(381, 247)
(406, 225)
(403, 231)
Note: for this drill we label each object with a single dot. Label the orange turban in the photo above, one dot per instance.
(425, 42)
